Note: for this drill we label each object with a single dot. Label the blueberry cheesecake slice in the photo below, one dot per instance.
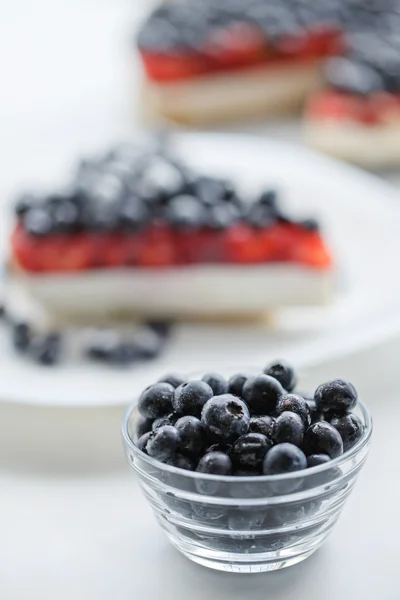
(141, 232)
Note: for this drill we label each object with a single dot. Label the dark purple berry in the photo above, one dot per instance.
(350, 428)
(142, 441)
(337, 395)
(173, 379)
(317, 459)
(263, 425)
(181, 462)
(192, 435)
(284, 373)
(156, 400)
(236, 383)
(164, 420)
(225, 418)
(249, 450)
(143, 426)
(213, 463)
(322, 438)
(288, 427)
(296, 404)
(217, 383)
(262, 394)
(163, 443)
(284, 458)
(190, 397)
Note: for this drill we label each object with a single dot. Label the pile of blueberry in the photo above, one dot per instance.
(247, 425)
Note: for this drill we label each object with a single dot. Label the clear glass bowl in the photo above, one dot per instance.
(247, 524)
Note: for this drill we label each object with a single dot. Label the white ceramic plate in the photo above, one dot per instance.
(361, 217)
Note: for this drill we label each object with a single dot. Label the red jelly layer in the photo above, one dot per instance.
(375, 109)
(242, 46)
(161, 246)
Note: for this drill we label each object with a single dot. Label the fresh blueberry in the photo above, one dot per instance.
(101, 344)
(337, 395)
(156, 400)
(263, 425)
(296, 404)
(353, 76)
(65, 216)
(185, 212)
(162, 179)
(192, 435)
(317, 459)
(163, 443)
(211, 191)
(164, 420)
(322, 438)
(269, 198)
(309, 224)
(105, 217)
(245, 519)
(219, 447)
(37, 222)
(133, 214)
(217, 383)
(173, 379)
(46, 350)
(143, 426)
(225, 418)
(259, 216)
(21, 336)
(262, 394)
(122, 355)
(142, 441)
(350, 428)
(249, 450)
(24, 203)
(236, 383)
(315, 414)
(289, 427)
(284, 373)
(212, 463)
(190, 397)
(222, 216)
(285, 458)
(182, 462)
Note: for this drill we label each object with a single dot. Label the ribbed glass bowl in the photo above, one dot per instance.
(247, 524)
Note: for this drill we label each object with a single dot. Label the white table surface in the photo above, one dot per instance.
(73, 525)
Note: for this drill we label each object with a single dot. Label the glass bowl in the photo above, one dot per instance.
(247, 524)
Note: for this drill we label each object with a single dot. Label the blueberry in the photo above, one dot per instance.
(283, 372)
(350, 428)
(163, 443)
(37, 222)
(263, 425)
(245, 519)
(105, 217)
(65, 216)
(225, 418)
(156, 400)
(217, 383)
(21, 336)
(192, 435)
(164, 420)
(182, 462)
(296, 404)
(353, 76)
(260, 216)
(222, 216)
(185, 212)
(322, 438)
(163, 328)
(337, 395)
(173, 379)
(101, 344)
(133, 214)
(315, 414)
(289, 427)
(142, 441)
(249, 450)
(122, 354)
(262, 393)
(143, 426)
(236, 383)
(208, 512)
(285, 458)
(309, 224)
(146, 344)
(24, 203)
(210, 190)
(162, 179)
(317, 459)
(190, 397)
(212, 463)
(269, 198)
(46, 350)
(219, 447)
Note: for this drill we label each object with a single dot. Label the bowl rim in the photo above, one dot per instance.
(304, 473)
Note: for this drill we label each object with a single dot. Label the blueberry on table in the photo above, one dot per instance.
(190, 397)
(322, 438)
(262, 394)
(181, 462)
(284, 458)
(156, 400)
(143, 426)
(236, 383)
(249, 450)
(337, 395)
(142, 441)
(164, 420)
(173, 379)
(262, 425)
(295, 404)
(192, 435)
(163, 443)
(46, 350)
(317, 459)
(217, 383)
(289, 427)
(350, 428)
(225, 418)
(283, 372)
(21, 336)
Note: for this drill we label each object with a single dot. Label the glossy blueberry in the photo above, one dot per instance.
(322, 438)
(269, 198)
(24, 203)
(215, 463)
(163, 179)
(37, 222)
(65, 216)
(105, 217)
(210, 190)
(164, 420)
(317, 459)
(263, 425)
(46, 350)
(236, 383)
(182, 462)
(185, 212)
(217, 383)
(122, 355)
(295, 404)
(260, 216)
(133, 214)
(315, 414)
(262, 394)
(350, 428)
(223, 215)
(163, 443)
(249, 450)
(283, 372)
(190, 397)
(192, 435)
(225, 418)
(337, 395)
(142, 441)
(289, 427)
(21, 336)
(173, 379)
(3, 312)
(156, 400)
(284, 458)
(143, 426)
(353, 76)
